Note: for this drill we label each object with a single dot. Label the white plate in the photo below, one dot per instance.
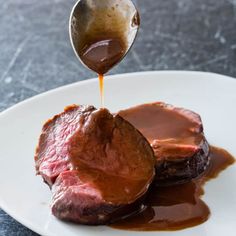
(24, 196)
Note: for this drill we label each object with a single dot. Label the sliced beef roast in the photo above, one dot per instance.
(177, 138)
(98, 165)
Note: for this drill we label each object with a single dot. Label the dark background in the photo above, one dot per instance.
(35, 52)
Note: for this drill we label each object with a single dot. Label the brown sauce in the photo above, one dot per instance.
(156, 121)
(101, 54)
(102, 42)
(101, 88)
(179, 206)
(100, 37)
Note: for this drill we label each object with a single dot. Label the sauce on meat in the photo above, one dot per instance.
(155, 120)
(106, 151)
(179, 206)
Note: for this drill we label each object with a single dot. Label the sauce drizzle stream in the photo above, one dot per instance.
(100, 54)
(101, 87)
(102, 33)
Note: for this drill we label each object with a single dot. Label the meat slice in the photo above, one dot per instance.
(98, 165)
(177, 138)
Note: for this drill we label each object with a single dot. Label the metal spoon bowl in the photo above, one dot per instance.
(91, 19)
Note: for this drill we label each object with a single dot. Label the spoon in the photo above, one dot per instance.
(102, 32)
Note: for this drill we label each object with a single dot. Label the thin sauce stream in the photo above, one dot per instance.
(101, 88)
(100, 54)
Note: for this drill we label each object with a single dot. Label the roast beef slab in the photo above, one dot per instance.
(98, 165)
(177, 138)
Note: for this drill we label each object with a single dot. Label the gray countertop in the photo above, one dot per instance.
(35, 52)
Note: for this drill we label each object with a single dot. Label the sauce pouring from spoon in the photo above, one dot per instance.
(102, 32)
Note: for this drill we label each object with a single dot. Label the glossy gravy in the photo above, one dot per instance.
(102, 43)
(179, 206)
(100, 55)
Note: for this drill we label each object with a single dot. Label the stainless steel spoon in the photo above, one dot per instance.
(91, 19)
